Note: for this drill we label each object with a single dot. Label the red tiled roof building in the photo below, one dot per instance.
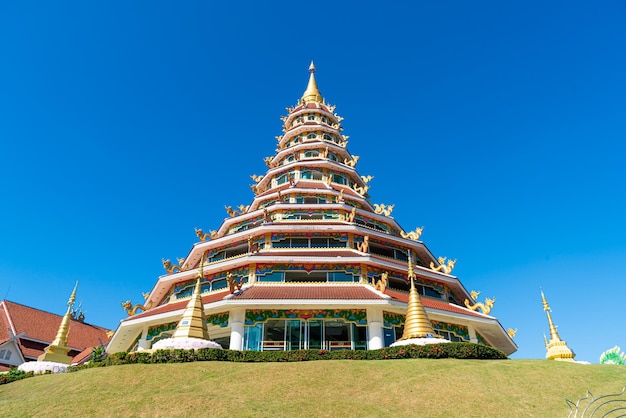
(25, 332)
(310, 262)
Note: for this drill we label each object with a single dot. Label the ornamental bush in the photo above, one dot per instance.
(13, 375)
(460, 350)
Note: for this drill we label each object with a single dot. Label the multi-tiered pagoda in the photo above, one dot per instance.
(310, 263)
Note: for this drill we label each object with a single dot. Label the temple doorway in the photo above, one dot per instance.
(297, 334)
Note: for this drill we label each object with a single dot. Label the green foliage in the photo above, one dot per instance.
(98, 353)
(13, 375)
(461, 350)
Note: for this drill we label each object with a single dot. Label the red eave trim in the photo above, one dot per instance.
(435, 304)
(213, 297)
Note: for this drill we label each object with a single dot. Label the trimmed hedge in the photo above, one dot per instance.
(459, 350)
(13, 375)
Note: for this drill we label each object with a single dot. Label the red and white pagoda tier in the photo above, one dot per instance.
(310, 263)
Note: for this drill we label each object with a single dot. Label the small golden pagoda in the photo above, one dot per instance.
(58, 349)
(312, 93)
(193, 322)
(417, 324)
(556, 348)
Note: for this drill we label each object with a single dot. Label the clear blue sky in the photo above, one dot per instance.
(499, 126)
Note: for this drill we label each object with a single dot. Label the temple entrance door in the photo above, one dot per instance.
(316, 334)
(295, 334)
(338, 335)
(252, 337)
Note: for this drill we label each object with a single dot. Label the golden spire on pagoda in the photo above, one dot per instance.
(312, 93)
(556, 348)
(417, 324)
(58, 349)
(193, 322)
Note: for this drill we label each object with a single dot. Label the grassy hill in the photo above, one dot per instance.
(337, 388)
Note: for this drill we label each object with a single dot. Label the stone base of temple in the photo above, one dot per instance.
(184, 343)
(559, 351)
(56, 354)
(43, 366)
(420, 341)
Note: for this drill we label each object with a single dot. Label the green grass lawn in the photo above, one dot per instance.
(336, 388)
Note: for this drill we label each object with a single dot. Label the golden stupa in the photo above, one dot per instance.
(557, 349)
(58, 349)
(193, 323)
(417, 324)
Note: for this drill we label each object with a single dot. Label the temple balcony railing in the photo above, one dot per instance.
(232, 257)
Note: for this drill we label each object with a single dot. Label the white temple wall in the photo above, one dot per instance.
(375, 328)
(472, 333)
(236, 321)
(143, 343)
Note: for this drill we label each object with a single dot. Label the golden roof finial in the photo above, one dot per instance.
(410, 271)
(193, 322)
(546, 307)
(70, 301)
(417, 324)
(58, 349)
(556, 348)
(312, 93)
(554, 335)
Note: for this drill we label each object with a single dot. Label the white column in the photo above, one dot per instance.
(472, 334)
(375, 329)
(143, 343)
(236, 321)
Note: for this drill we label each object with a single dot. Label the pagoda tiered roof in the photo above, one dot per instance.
(311, 191)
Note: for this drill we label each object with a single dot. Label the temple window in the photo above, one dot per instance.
(312, 135)
(329, 137)
(219, 284)
(429, 291)
(339, 179)
(315, 242)
(389, 252)
(311, 216)
(311, 175)
(422, 289)
(324, 119)
(228, 252)
(376, 226)
(275, 276)
(5, 354)
(311, 154)
(302, 276)
(341, 277)
(284, 178)
(449, 336)
(391, 335)
(310, 200)
(332, 156)
(319, 277)
(294, 334)
(311, 117)
(243, 227)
